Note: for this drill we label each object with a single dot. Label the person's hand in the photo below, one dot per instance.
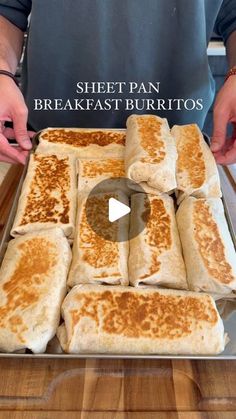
(223, 148)
(13, 108)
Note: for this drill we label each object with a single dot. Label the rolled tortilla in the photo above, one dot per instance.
(93, 172)
(126, 320)
(150, 154)
(32, 286)
(83, 143)
(95, 258)
(209, 253)
(196, 169)
(155, 253)
(48, 197)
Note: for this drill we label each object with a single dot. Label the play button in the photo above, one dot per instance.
(117, 210)
(108, 211)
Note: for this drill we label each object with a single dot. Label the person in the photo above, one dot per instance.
(74, 44)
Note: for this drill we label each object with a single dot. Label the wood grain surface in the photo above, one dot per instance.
(114, 389)
(7, 192)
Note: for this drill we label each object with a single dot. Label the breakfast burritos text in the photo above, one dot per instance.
(121, 96)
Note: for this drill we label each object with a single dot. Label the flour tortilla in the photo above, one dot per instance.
(82, 142)
(95, 259)
(126, 320)
(107, 175)
(150, 154)
(196, 171)
(155, 253)
(48, 197)
(32, 286)
(208, 249)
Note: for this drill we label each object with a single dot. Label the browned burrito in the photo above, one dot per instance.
(32, 286)
(48, 197)
(209, 252)
(100, 254)
(83, 143)
(126, 320)
(155, 253)
(196, 170)
(150, 154)
(92, 173)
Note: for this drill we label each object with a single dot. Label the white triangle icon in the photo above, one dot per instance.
(117, 210)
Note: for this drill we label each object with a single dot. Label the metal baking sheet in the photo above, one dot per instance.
(226, 306)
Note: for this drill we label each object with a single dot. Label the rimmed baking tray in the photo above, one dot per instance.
(226, 305)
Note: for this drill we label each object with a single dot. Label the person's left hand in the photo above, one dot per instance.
(223, 148)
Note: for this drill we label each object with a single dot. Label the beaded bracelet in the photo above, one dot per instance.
(230, 73)
(7, 73)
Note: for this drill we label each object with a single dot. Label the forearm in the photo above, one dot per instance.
(11, 43)
(231, 50)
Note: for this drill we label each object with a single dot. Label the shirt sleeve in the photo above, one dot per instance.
(226, 19)
(16, 11)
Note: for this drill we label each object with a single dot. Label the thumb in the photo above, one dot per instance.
(220, 122)
(20, 128)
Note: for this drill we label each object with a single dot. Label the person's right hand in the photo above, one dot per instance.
(13, 108)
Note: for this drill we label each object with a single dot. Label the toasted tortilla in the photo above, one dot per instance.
(155, 253)
(208, 249)
(96, 259)
(32, 286)
(48, 197)
(83, 143)
(196, 171)
(93, 172)
(150, 154)
(126, 320)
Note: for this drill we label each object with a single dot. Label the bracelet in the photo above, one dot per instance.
(230, 73)
(7, 73)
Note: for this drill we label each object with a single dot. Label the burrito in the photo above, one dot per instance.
(155, 253)
(100, 249)
(32, 286)
(208, 249)
(48, 197)
(93, 172)
(83, 143)
(150, 154)
(196, 171)
(126, 320)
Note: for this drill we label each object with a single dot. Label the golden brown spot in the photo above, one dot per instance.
(113, 275)
(135, 315)
(150, 130)
(25, 286)
(97, 251)
(190, 161)
(209, 243)
(158, 231)
(84, 138)
(109, 167)
(48, 199)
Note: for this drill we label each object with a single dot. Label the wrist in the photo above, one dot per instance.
(231, 72)
(4, 65)
(9, 75)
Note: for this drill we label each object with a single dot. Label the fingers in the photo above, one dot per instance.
(228, 157)
(12, 153)
(220, 122)
(31, 134)
(20, 127)
(10, 134)
(6, 159)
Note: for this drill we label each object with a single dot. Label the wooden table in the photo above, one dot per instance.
(115, 389)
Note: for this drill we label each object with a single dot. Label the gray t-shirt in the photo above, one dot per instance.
(157, 41)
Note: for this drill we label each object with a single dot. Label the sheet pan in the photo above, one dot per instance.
(226, 306)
